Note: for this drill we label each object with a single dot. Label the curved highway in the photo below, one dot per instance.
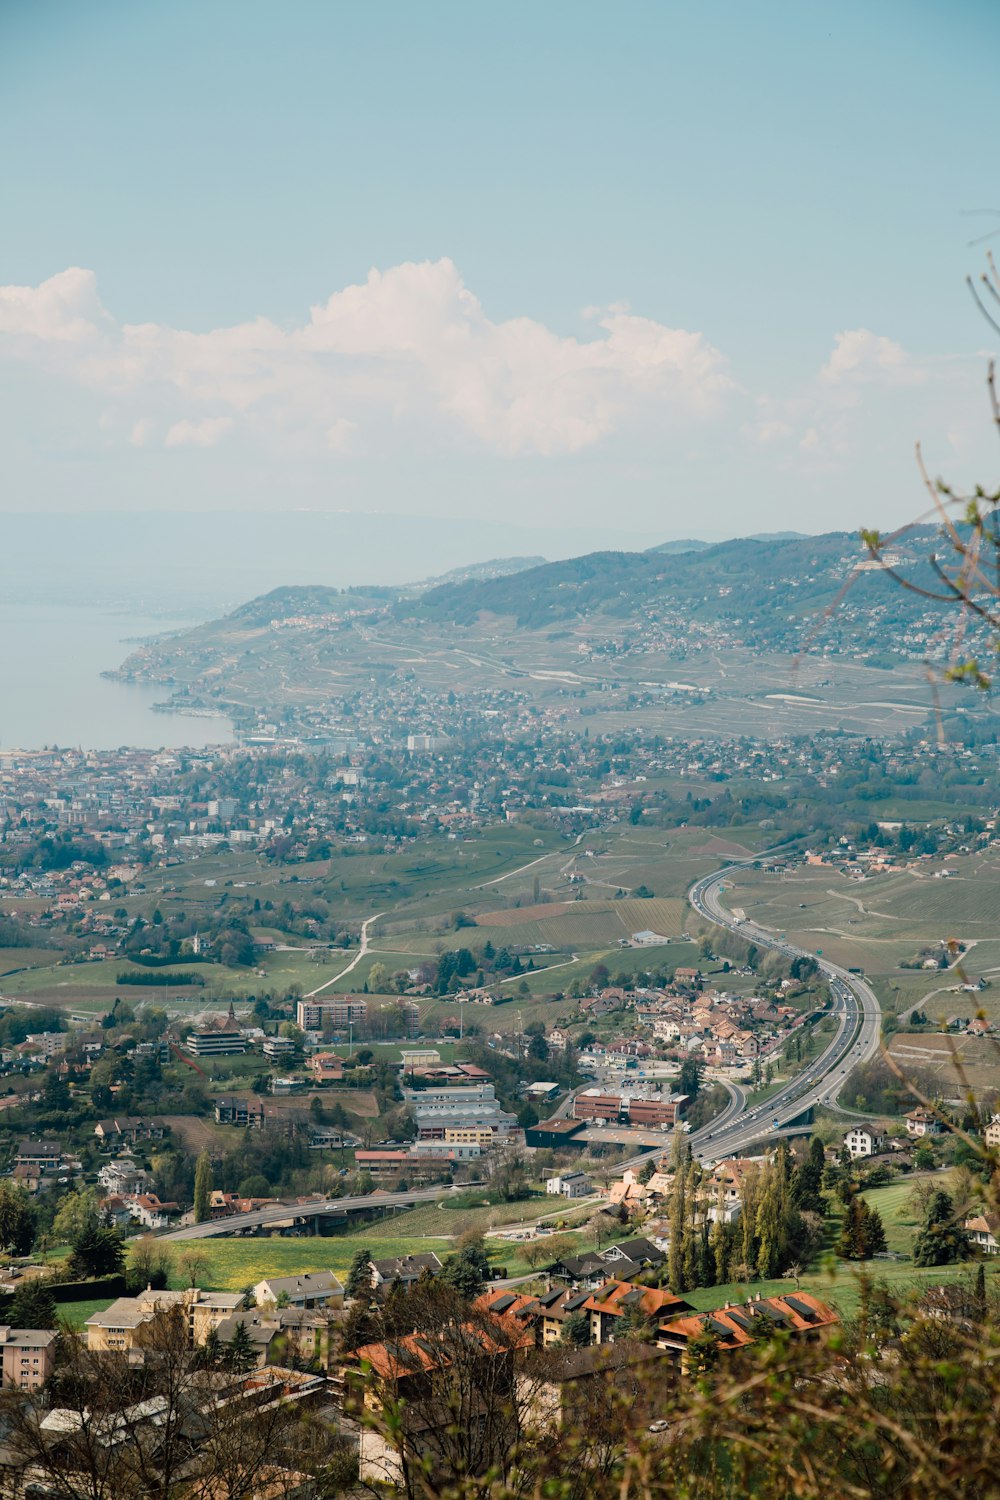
(856, 1038)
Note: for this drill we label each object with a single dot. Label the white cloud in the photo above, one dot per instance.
(409, 347)
(859, 356)
(203, 434)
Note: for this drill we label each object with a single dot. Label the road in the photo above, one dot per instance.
(856, 1038)
(276, 1213)
(738, 1127)
(366, 924)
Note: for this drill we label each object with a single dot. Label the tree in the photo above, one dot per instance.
(862, 1234)
(807, 1180)
(97, 1252)
(33, 1307)
(538, 1049)
(193, 1266)
(17, 1219)
(940, 1240)
(378, 977)
(149, 1264)
(689, 1081)
(537, 1252)
(359, 1278)
(576, 1330)
(240, 1353)
(466, 1271)
(203, 1189)
(211, 1353)
(76, 1212)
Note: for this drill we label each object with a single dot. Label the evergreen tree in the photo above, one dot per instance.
(940, 1240)
(767, 1228)
(203, 1189)
(359, 1278)
(97, 1252)
(807, 1180)
(466, 1271)
(720, 1246)
(33, 1307)
(241, 1356)
(576, 1331)
(862, 1234)
(675, 1254)
(750, 1193)
(210, 1355)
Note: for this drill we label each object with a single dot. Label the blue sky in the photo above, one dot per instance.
(693, 268)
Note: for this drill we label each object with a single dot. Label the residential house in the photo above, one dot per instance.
(640, 1251)
(124, 1176)
(309, 1289)
(128, 1130)
(735, 1327)
(149, 1211)
(403, 1270)
(279, 1332)
(39, 1157)
(570, 1185)
(617, 1306)
(588, 1270)
(549, 1311)
(991, 1135)
(984, 1232)
(860, 1141)
(406, 1372)
(921, 1122)
(243, 1110)
(622, 1383)
(326, 1067)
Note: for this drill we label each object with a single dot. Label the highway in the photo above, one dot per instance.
(855, 1040)
(277, 1213)
(738, 1127)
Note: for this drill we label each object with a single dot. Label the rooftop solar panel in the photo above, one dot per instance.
(739, 1318)
(774, 1313)
(802, 1308)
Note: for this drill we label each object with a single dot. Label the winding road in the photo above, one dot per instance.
(363, 949)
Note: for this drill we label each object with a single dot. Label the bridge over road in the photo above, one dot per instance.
(304, 1213)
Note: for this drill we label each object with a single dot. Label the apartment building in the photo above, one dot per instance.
(337, 1015)
(28, 1356)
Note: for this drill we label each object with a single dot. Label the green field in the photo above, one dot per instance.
(884, 920)
(232, 1264)
(840, 1283)
(75, 1314)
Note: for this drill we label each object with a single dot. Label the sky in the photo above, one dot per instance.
(664, 269)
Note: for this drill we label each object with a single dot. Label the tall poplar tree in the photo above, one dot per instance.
(202, 1189)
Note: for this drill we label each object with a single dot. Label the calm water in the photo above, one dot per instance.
(52, 693)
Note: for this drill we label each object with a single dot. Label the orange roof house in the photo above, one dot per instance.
(736, 1326)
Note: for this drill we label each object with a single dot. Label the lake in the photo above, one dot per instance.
(52, 691)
